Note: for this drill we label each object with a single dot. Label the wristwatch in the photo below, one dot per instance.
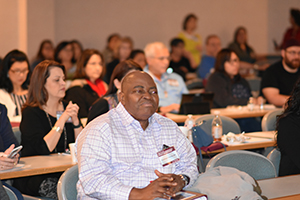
(185, 178)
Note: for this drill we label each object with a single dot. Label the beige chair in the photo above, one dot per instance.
(268, 122)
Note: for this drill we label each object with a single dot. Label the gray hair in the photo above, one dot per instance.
(151, 47)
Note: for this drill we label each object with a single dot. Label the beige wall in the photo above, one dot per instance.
(91, 21)
(9, 37)
(147, 21)
(41, 24)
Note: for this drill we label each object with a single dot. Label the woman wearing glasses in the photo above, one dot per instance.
(14, 81)
(229, 87)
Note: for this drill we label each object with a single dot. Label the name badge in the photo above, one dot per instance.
(173, 82)
(168, 156)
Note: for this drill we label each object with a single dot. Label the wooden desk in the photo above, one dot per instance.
(36, 165)
(243, 112)
(268, 138)
(285, 188)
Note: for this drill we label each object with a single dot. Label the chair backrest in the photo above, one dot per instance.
(17, 133)
(10, 193)
(254, 164)
(275, 156)
(229, 124)
(66, 187)
(268, 122)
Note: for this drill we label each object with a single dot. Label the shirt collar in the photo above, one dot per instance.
(163, 76)
(127, 119)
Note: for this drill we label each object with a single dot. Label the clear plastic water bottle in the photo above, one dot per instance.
(250, 104)
(216, 127)
(189, 124)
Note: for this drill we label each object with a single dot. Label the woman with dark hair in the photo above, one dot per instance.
(294, 31)
(46, 52)
(64, 54)
(288, 134)
(229, 87)
(138, 56)
(77, 48)
(48, 125)
(14, 81)
(192, 40)
(124, 49)
(110, 99)
(88, 85)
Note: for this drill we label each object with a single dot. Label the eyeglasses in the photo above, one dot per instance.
(233, 61)
(293, 53)
(163, 58)
(19, 72)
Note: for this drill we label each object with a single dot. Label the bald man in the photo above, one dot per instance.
(120, 153)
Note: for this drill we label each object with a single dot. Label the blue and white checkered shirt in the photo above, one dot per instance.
(115, 154)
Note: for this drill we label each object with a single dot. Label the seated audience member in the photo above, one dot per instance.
(179, 63)
(279, 79)
(46, 52)
(212, 47)
(245, 53)
(110, 100)
(294, 31)
(8, 142)
(230, 88)
(124, 50)
(124, 143)
(288, 134)
(138, 56)
(226, 83)
(88, 85)
(170, 86)
(46, 126)
(14, 81)
(111, 50)
(77, 49)
(64, 55)
(192, 40)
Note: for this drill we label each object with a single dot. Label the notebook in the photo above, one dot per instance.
(187, 195)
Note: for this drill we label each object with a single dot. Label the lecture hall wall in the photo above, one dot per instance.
(25, 23)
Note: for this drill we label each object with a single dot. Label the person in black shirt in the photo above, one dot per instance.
(179, 63)
(278, 80)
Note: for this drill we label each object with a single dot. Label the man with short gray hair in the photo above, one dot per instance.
(170, 86)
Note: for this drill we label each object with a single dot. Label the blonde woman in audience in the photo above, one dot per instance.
(192, 40)
(14, 81)
(64, 54)
(124, 50)
(88, 85)
(46, 52)
(48, 125)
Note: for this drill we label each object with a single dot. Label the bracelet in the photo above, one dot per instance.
(56, 128)
(77, 126)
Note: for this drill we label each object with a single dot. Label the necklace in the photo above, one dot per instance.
(65, 133)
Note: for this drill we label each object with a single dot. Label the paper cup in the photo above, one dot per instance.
(72, 151)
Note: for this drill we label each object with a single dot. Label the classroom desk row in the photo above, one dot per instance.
(234, 112)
